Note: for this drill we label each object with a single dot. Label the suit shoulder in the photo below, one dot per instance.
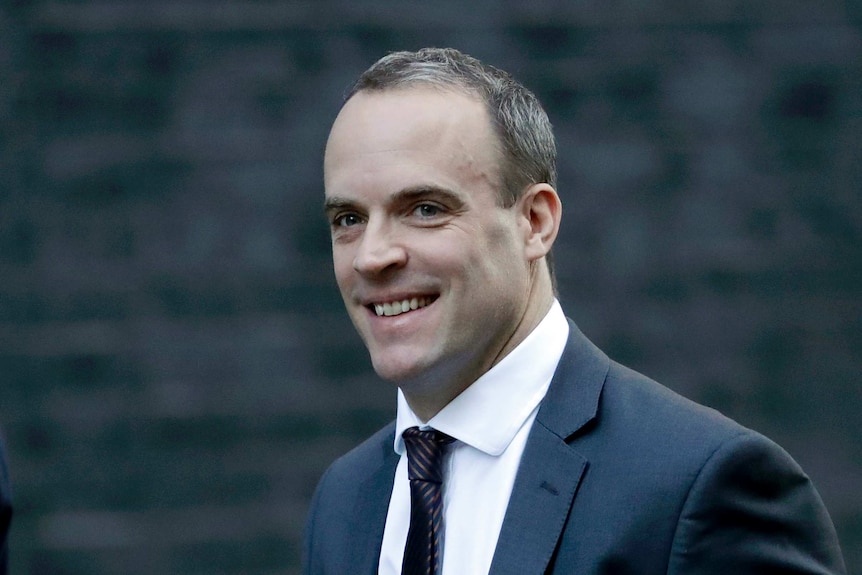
(656, 410)
(350, 497)
(365, 457)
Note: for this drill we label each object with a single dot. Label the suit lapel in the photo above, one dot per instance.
(550, 470)
(541, 498)
(371, 509)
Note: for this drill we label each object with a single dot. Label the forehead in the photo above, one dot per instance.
(414, 102)
(426, 129)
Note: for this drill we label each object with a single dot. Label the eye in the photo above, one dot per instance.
(346, 220)
(427, 210)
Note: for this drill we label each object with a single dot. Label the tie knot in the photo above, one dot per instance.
(425, 453)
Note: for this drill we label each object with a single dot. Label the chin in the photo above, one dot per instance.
(395, 374)
(398, 371)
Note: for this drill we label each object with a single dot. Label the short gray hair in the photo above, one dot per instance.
(522, 126)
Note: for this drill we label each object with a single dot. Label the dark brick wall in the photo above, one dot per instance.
(175, 366)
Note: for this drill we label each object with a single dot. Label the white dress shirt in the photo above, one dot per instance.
(490, 421)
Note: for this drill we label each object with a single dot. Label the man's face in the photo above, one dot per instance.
(432, 270)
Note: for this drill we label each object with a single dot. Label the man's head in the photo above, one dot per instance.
(442, 271)
(524, 135)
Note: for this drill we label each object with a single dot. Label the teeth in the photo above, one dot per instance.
(399, 307)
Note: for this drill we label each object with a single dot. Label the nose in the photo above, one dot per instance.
(379, 251)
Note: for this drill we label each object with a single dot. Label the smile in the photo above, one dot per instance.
(402, 306)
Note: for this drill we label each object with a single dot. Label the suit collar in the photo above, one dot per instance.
(371, 508)
(493, 409)
(551, 470)
(573, 397)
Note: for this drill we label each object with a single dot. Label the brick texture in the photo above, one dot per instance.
(176, 369)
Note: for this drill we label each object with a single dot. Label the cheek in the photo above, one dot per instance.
(502, 250)
(342, 264)
(487, 266)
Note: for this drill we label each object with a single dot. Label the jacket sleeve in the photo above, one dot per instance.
(5, 512)
(751, 510)
(311, 560)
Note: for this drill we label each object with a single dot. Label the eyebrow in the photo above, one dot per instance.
(335, 203)
(424, 190)
(401, 196)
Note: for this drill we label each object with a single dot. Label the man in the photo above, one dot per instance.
(547, 456)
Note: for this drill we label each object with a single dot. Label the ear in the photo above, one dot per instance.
(541, 211)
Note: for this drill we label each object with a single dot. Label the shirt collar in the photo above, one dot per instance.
(488, 414)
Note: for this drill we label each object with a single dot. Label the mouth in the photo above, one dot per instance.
(399, 307)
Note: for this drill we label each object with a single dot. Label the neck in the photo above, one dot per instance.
(426, 398)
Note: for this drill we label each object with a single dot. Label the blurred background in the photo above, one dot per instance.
(176, 368)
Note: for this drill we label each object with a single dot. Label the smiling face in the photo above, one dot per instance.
(435, 274)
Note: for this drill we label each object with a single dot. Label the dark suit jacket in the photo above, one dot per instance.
(5, 510)
(619, 476)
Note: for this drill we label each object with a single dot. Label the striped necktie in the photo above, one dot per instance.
(425, 472)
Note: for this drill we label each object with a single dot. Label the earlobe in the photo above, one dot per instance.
(542, 211)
